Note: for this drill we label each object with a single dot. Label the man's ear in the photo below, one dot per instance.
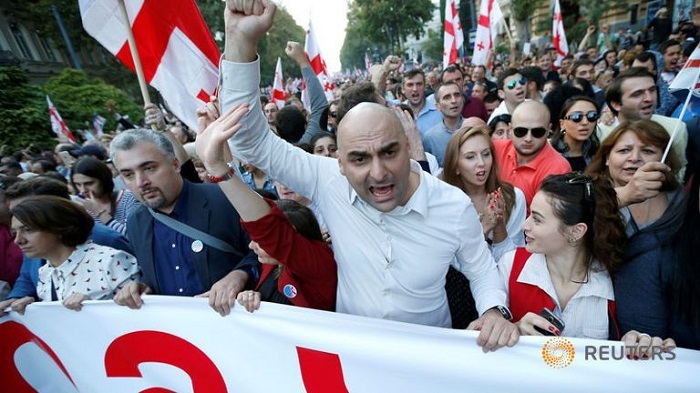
(615, 105)
(340, 166)
(501, 94)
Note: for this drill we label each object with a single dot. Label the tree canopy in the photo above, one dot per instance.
(24, 116)
(382, 24)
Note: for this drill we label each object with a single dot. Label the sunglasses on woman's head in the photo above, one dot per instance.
(537, 132)
(511, 85)
(577, 116)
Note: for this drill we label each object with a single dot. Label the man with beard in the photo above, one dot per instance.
(633, 95)
(449, 100)
(173, 263)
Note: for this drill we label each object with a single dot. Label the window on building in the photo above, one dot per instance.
(46, 46)
(21, 42)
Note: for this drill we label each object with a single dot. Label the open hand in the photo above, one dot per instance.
(211, 142)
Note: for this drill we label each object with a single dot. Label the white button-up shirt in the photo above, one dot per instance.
(390, 265)
(586, 314)
(93, 270)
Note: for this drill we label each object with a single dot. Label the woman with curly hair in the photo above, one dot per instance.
(559, 283)
(642, 283)
(470, 166)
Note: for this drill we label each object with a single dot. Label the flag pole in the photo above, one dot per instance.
(680, 118)
(135, 56)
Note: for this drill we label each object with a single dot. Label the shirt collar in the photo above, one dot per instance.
(72, 261)
(535, 273)
(417, 202)
(180, 209)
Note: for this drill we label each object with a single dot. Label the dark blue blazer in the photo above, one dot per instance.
(208, 210)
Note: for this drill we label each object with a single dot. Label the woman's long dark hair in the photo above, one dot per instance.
(684, 288)
(578, 198)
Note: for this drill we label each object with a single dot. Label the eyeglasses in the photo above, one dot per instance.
(577, 116)
(511, 84)
(537, 132)
(580, 178)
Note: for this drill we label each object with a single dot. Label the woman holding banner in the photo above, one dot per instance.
(298, 267)
(57, 230)
(559, 284)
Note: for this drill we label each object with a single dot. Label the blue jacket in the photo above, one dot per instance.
(642, 281)
(29, 272)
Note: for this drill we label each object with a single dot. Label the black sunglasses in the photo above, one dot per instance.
(511, 84)
(577, 116)
(585, 180)
(537, 132)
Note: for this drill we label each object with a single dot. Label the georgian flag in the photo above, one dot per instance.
(560, 44)
(454, 36)
(490, 16)
(58, 126)
(178, 54)
(279, 94)
(687, 79)
(313, 53)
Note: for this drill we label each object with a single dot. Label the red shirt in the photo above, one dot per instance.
(528, 177)
(309, 278)
(10, 256)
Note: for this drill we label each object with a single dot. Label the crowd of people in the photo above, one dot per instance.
(519, 199)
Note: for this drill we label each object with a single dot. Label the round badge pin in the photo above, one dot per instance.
(289, 291)
(197, 246)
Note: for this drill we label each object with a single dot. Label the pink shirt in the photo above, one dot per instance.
(528, 177)
(10, 256)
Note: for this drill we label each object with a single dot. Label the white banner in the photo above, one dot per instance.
(180, 344)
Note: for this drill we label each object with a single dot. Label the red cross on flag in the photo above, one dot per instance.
(559, 35)
(178, 55)
(454, 36)
(58, 126)
(313, 53)
(490, 16)
(279, 94)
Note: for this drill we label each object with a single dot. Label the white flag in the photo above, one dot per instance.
(178, 54)
(490, 16)
(454, 36)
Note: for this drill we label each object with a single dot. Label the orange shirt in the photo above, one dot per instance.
(528, 177)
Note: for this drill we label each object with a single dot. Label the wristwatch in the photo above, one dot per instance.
(218, 179)
(505, 312)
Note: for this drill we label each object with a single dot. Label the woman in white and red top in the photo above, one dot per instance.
(575, 238)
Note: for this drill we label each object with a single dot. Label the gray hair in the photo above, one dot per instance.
(127, 140)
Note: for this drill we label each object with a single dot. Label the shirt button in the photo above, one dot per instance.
(180, 290)
(177, 267)
(173, 245)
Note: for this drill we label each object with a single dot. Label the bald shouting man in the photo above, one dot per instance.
(395, 228)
